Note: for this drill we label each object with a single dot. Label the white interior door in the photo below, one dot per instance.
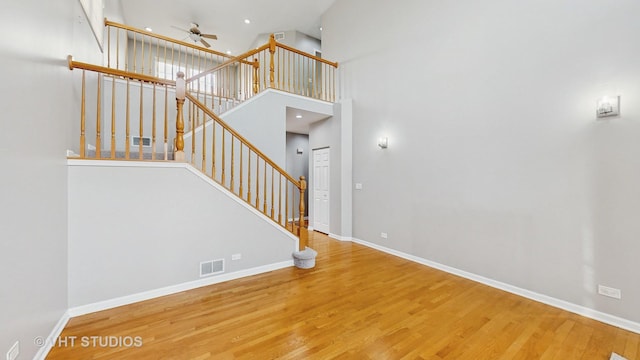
(321, 190)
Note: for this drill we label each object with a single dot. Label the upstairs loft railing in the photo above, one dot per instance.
(147, 53)
(219, 79)
(270, 66)
(124, 115)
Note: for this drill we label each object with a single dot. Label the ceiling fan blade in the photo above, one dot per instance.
(209, 36)
(206, 44)
(181, 29)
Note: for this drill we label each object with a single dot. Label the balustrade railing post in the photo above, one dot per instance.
(272, 51)
(256, 76)
(303, 239)
(180, 96)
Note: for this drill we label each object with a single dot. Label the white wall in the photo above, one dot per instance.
(38, 98)
(262, 121)
(298, 164)
(496, 163)
(128, 233)
(335, 133)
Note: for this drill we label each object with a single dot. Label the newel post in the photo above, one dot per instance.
(272, 51)
(303, 187)
(180, 96)
(256, 76)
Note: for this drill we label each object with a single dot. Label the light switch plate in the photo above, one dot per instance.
(608, 106)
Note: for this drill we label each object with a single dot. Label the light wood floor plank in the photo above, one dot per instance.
(357, 303)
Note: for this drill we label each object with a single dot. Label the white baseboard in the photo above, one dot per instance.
(52, 338)
(341, 238)
(146, 295)
(561, 304)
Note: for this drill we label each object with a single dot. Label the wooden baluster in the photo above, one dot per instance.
(272, 50)
(83, 116)
(204, 144)
(213, 151)
(135, 51)
(223, 157)
(180, 96)
(142, 57)
(109, 47)
(232, 164)
(272, 194)
(256, 76)
(249, 175)
(192, 122)
(264, 69)
(153, 125)
(166, 122)
(141, 129)
(241, 170)
(286, 203)
(117, 48)
(113, 117)
(257, 181)
(280, 198)
(126, 51)
(127, 142)
(289, 74)
(264, 193)
(303, 187)
(293, 208)
(98, 118)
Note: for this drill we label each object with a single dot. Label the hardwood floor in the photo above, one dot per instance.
(357, 303)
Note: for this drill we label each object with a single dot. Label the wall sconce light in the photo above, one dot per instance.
(608, 106)
(383, 142)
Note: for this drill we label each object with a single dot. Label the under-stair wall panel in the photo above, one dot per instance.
(137, 229)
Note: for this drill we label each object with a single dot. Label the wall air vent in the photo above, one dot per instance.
(279, 36)
(146, 141)
(211, 267)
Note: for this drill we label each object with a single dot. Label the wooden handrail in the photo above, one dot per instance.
(115, 72)
(286, 47)
(242, 139)
(161, 37)
(239, 58)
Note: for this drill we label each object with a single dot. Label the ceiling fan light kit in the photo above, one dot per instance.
(197, 36)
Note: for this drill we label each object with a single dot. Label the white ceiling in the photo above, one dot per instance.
(224, 18)
(301, 125)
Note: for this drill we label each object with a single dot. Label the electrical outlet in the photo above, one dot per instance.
(13, 353)
(383, 235)
(236, 256)
(610, 292)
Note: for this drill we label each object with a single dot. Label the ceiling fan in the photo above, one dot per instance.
(196, 35)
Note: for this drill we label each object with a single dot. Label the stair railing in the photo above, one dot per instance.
(270, 66)
(233, 162)
(145, 52)
(134, 115)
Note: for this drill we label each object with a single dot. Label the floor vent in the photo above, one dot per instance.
(279, 36)
(211, 267)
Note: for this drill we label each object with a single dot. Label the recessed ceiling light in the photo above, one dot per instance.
(228, 52)
(298, 116)
(320, 28)
(247, 21)
(149, 29)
